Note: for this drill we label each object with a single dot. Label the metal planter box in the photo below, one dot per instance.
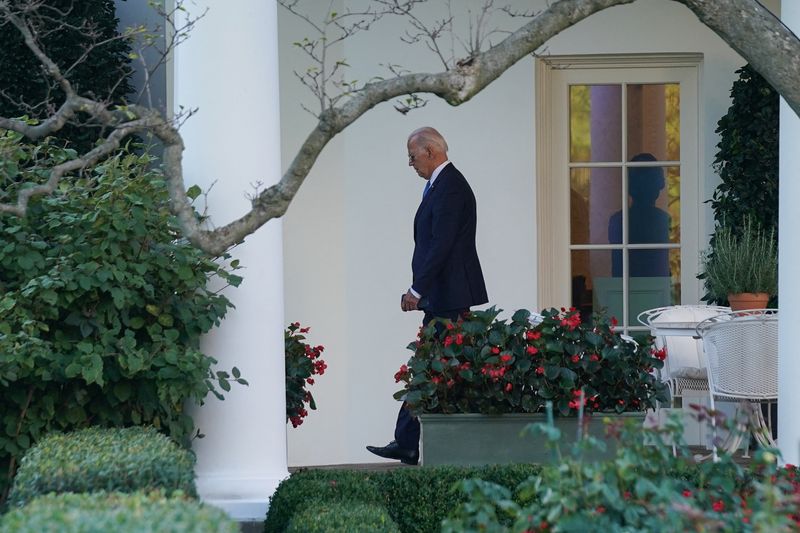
(476, 439)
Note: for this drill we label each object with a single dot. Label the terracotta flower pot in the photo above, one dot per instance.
(748, 300)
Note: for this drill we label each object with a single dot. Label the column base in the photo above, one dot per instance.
(244, 499)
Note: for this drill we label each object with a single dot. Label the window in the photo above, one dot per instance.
(617, 183)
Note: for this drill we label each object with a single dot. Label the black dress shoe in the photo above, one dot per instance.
(394, 451)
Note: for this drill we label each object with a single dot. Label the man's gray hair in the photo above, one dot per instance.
(428, 136)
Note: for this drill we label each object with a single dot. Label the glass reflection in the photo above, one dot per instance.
(655, 289)
(654, 120)
(593, 287)
(595, 123)
(595, 194)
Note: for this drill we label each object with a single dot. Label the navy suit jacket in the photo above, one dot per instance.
(445, 264)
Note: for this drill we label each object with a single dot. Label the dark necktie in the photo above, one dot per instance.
(427, 188)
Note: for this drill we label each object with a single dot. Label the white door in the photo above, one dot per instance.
(617, 183)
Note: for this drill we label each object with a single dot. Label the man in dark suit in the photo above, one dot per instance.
(447, 277)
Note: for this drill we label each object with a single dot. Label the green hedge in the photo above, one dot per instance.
(345, 517)
(295, 493)
(108, 459)
(416, 498)
(102, 512)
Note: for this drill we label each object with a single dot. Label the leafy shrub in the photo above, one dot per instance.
(102, 512)
(295, 493)
(747, 153)
(64, 29)
(111, 459)
(302, 362)
(416, 498)
(342, 517)
(480, 364)
(645, 488)
(102, 303)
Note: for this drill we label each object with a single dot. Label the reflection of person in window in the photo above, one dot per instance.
(647, 224)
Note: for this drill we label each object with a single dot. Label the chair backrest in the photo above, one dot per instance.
(742, 353)
(681, 351)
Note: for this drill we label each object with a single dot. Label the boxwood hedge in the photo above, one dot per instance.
(98, 512)
(110, 459)
(324, 516)
(416, 499)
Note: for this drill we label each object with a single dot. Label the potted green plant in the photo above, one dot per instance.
(475, 383)
(742, 265)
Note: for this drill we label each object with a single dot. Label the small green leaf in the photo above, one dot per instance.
(194, 191)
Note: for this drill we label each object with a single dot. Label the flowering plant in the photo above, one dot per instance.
(652, 484)
(302, 362)
(480, 364)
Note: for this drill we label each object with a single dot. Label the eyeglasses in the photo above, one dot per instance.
(412, 157)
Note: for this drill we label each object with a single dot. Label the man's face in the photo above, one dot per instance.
(420, 158)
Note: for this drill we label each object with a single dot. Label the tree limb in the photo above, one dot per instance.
(758, 36)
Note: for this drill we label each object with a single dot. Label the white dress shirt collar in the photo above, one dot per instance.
(436, 172)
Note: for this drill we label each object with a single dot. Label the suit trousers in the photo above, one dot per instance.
(406, 429)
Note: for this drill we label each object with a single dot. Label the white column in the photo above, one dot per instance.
(228, 70)
(789, 282)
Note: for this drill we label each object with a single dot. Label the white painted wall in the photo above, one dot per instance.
(348, 235)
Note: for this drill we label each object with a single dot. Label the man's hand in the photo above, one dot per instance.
(409, 302)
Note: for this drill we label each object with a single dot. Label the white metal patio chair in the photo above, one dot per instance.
(674, 327)
(741, 350)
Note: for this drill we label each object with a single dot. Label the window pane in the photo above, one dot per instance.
(593, 287)
(595, 123)
(595, 199)
(654, 281)
(653, 205)
(654, 120)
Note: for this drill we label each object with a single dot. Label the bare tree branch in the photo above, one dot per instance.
(757, 35)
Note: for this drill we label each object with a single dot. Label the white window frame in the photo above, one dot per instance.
(553, 76)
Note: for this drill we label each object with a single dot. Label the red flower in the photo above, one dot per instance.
(600, 509)
(540, 370)
(718, 506)
(505, 358)
(594, 357)
(401, 374)
(532, 350)
(687, 493)
(533, 335)
(459, 339)
(310, 381)
(436, 379)
(495, 350)
(626, 495)
(305, 330)
(614, 321)
(450, 383)
(450, 325)
(576, 358)
(448, 340)
(621, 402)
(509, 386)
